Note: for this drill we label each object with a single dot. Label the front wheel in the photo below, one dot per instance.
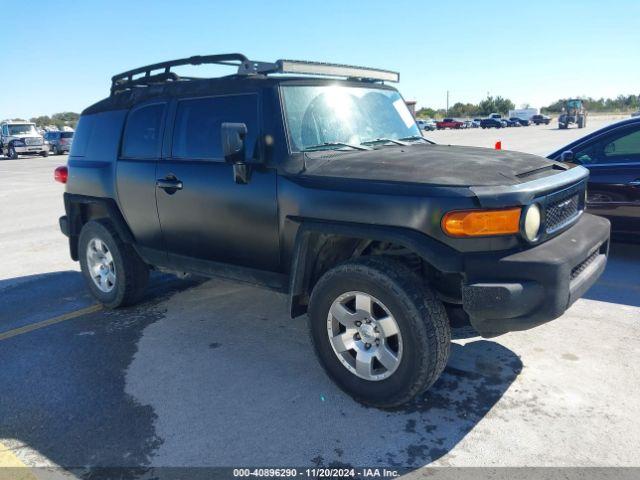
(378, 331)
(112, 269)
(11, 153)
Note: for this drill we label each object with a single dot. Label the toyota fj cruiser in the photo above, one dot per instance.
(320, 185)
(21, 138)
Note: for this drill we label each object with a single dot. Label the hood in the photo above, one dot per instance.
(444, 165)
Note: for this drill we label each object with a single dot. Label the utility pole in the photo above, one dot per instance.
(447, 111)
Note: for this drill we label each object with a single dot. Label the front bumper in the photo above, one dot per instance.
(521, 290)
(25, 149)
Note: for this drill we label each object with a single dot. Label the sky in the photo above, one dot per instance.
(62, 57)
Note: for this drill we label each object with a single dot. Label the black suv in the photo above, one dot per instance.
(324, 189)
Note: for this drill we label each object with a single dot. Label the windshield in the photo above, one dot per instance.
(335, 114)
(17, 129)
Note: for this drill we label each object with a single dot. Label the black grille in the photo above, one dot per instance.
(578, 269)
(562, 211)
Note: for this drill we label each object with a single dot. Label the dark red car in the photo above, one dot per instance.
(449, 123)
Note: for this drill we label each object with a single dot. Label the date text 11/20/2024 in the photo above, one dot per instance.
(316, 472)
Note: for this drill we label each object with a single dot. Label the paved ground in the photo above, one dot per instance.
(214, 373)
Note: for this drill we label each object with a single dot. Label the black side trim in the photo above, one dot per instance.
(208, 268)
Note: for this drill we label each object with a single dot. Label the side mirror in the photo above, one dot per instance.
(233, 136)
(567, 156)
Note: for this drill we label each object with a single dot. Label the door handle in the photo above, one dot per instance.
(169, 183)
(635, 183)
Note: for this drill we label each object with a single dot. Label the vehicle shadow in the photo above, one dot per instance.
(62, 394)
(200, 376)
(620, 282)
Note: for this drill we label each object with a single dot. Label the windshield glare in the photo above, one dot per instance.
(351, 115)
(21, 129)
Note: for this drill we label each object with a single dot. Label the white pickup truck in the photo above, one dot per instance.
(21, 138)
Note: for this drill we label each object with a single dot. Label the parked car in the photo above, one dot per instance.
(522, 121)
(512, 122)
(540, 120)
(59, 142)
(449, 123)
(371, 229)
(21, 138)
(491, 123)
(612, 155)
(636, 114)
(427, 125)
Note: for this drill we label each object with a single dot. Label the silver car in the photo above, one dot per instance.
(59, 142)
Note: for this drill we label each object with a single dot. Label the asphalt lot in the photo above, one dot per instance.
(212, 373)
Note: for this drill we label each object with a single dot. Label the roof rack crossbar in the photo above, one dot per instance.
(125, 81)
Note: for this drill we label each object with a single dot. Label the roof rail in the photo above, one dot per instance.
(131, 78)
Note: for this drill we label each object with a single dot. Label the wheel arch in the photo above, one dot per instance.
(81, 209)
(321, 245)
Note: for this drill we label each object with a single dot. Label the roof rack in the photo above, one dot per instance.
(131, 78)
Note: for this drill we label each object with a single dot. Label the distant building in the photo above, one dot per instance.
(412, 106)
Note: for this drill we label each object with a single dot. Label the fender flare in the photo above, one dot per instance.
(73, 206)
(437, 254)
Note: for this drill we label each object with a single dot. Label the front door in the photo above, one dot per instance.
(204, 215)
(614, 182)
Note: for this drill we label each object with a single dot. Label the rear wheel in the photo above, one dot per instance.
(378, 331)
(114, 272)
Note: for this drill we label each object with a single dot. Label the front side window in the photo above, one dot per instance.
(142, 132)
(197, 131)
(317, 115)
(620, 147)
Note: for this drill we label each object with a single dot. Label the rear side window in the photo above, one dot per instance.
(97, 136)
(142, 133)
(198, 122)
(66, 135)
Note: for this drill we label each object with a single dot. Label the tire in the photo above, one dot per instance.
(44, 153)
(129, 274)
(11, 153)
(422, 346)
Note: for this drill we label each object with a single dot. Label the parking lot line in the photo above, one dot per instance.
(51, 321)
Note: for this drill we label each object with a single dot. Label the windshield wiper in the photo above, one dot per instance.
(384, 140)
(333, 145)
(414, 138)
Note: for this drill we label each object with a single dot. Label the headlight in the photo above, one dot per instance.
(532, 220)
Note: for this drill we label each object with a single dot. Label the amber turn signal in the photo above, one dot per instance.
(477, 223)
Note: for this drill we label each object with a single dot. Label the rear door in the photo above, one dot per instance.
(613, 160)
(208, 217)
(136, 173)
